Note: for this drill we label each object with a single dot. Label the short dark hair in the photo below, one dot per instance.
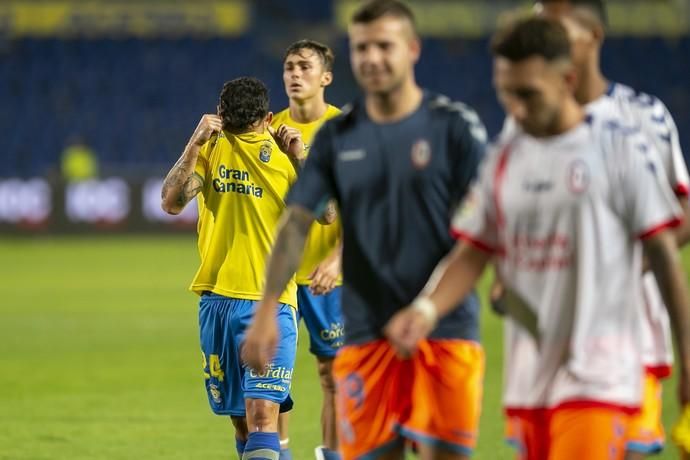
(371, 10)
(597, 7)
(323, 51)
(529, 37)
(243, 101)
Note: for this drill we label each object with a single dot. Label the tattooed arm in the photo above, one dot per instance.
(262, 336)
(182, 183)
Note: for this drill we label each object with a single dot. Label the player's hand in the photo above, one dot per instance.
(405, 330)
(325, 275)
(261, 339)
(207, 127)
(289, 140)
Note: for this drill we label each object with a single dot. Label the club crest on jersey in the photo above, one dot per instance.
(215, 394)
(265, 152)
(421, 154)
(578, 176)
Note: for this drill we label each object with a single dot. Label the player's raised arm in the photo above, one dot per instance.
(182, 183)
(262, 336)
(289, 140)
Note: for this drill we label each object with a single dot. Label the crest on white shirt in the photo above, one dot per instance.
(578, 176)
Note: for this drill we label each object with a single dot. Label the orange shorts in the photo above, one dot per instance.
(646, 432)
(433, 398)
(568, 433)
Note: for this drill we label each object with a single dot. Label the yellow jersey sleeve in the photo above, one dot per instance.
(322, 239)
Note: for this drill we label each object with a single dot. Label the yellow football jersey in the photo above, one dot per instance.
(322, 239)
(246, 178)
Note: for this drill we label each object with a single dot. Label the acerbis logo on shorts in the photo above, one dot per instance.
(270, 386)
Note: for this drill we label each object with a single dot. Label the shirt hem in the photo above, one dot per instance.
(479, 244)
(513, 411)
(199, 288)
(308, 283)
(660, 371)
(361, 339)
(674, 222)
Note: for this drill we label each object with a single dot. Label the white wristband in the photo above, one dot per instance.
(427, 308)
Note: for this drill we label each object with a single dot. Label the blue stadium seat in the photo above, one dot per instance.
(137, 101)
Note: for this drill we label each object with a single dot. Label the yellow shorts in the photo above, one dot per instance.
(646, 432)
(433, 398)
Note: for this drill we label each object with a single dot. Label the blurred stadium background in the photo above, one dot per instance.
(98, 339)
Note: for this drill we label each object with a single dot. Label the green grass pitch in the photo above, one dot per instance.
(99, 357)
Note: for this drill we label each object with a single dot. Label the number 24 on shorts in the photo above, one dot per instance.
(212, 367)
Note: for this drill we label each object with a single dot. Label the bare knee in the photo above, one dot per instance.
(325, 366)
(262, 415)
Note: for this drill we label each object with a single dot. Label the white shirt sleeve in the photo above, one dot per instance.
(649, 204)
(658, 124)
(475, 220)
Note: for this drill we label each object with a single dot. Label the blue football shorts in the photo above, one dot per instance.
(222, 324)
(324, 320)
